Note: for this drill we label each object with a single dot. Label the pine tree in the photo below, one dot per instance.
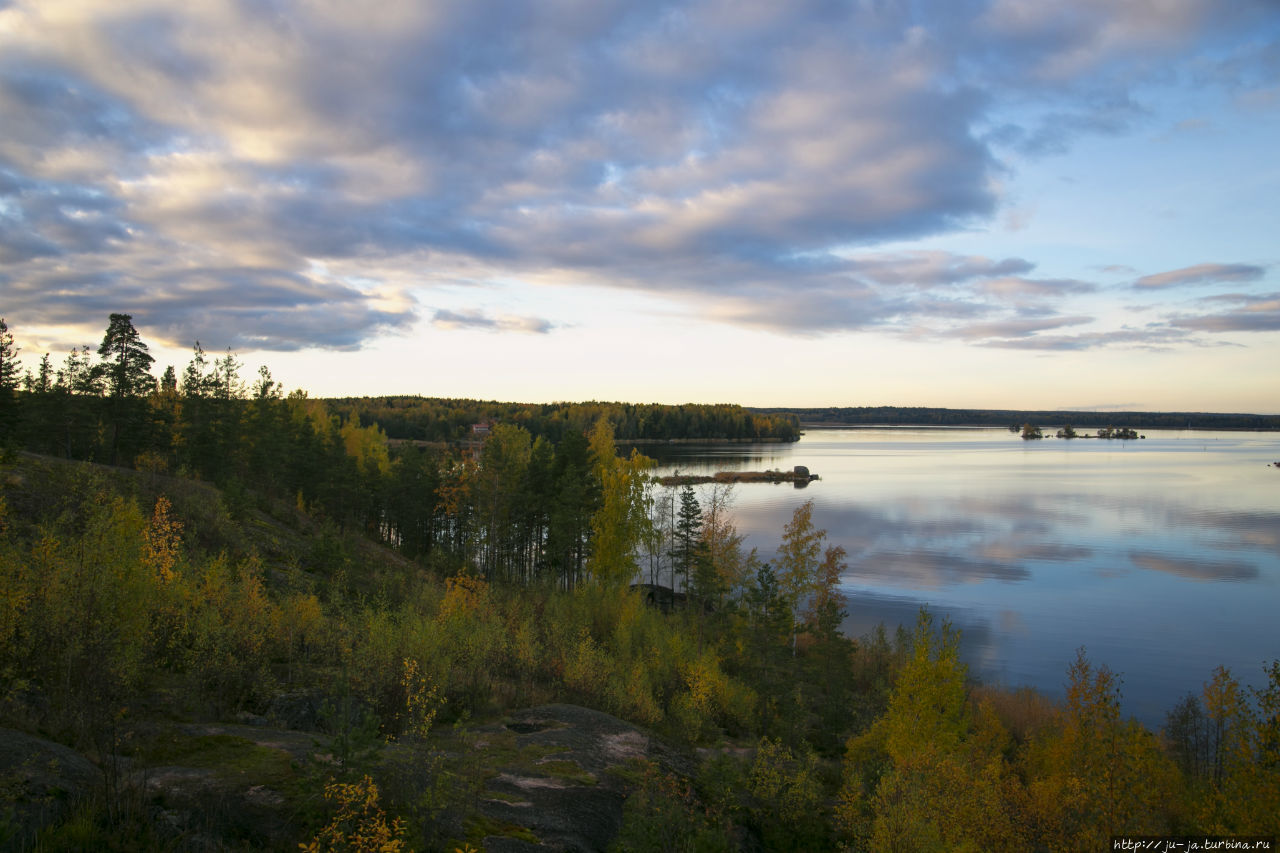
(575, 498)
(42, 381)
(169, 381)
(9, 364)
(9, 367)
(197, 380)
(127, 362)
(687, 533)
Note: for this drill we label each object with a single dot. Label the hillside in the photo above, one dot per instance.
(193, 667)
(252, 684)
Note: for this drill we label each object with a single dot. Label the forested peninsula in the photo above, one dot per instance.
(235, 618)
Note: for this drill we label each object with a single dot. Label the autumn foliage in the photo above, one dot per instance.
(423, 587)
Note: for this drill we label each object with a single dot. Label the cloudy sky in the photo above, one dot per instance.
(988, 203)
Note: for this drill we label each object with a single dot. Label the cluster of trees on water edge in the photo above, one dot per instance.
(505, 578)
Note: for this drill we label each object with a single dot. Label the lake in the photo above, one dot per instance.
(1160, 556)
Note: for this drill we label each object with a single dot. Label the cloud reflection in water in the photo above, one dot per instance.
(1197, 569)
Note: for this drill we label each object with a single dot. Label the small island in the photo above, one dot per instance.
(1030, 431)
(799, 475)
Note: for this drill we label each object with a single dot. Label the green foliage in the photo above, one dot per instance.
(761, 642)
(126, 359)
(785, 792)
(1240, 790)
(664, 815)
(434, 419)
(1097, 775)
(355, 728)
(933, 801)
(687, 536)
(510, 588)
(231, 634)
(500, 497)
(86, 615)
(622, 519)
(10, 368)
(925, 777)
(473, 635)
(927, 708)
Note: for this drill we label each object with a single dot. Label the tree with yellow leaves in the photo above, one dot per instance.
(162, 541)
(359, 823)
(622, 519)
(1096, 775)
(1243, 785)
(930, 774)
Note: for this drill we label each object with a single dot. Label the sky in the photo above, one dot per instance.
(961, 203)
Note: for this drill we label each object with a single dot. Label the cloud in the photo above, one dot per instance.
(1201, 274)
(933, 268)
(1140, 339)
(256, 308)
(1063, 41)
(200, 162)
(1020, 288)
(475, 319)
(1260, 313)
(1054, 133)
(1019, 328)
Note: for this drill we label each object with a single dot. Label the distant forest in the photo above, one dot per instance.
(922, 416)
(412, 418)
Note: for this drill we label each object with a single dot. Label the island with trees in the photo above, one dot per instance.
(1031, 431)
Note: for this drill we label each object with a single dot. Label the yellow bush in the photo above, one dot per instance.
(162, 542)
(359, 824)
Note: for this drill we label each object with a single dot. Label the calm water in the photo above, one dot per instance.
(1160, 556)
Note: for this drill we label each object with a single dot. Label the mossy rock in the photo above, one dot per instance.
(557, 777)
(41, 782)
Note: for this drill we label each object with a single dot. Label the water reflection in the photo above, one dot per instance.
(1198, 570)
(1238, 530)
(978, 639)
(1021, 551)
(1162, 557)
(932, 569)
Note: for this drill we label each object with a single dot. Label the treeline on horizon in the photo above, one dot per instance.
(926, 416)
(414, 418)
(508, 579)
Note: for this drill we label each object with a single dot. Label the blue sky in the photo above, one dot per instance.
(1013, 203)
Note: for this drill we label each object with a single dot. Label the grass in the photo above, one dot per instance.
(233, 759)
(479, 827)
